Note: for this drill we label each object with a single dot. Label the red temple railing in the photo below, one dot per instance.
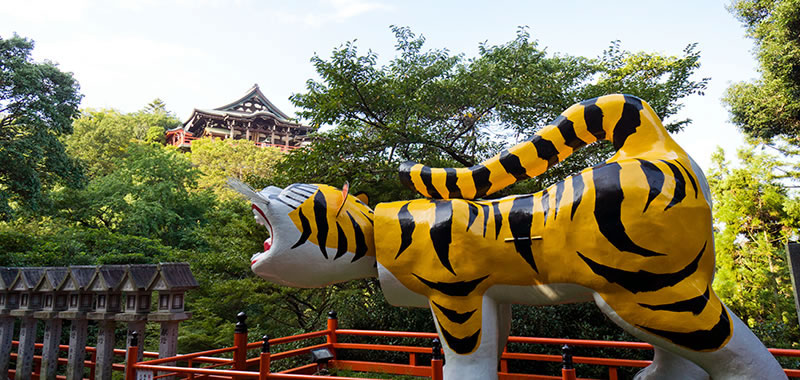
(239, 362)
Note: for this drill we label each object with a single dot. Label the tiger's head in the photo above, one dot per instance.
(318, 234)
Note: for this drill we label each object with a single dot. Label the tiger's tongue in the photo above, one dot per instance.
(267, 244)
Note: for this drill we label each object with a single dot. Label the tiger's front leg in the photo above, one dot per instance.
(481, 363)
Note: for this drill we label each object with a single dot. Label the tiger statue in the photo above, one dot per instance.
(633, 234)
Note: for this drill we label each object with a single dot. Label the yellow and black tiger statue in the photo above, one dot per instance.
(633, 234)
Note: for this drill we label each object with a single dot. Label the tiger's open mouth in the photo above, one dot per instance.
(262, 220)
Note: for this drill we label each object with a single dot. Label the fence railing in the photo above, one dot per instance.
(241, 362)
(201, 365)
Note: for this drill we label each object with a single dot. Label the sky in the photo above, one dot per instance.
(207, 53)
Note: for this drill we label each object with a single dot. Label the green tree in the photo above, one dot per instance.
(102, 136)
(769, 107)
(37, 104)
(444, 110)
(150, 193)
(218, 160)
(755, 214)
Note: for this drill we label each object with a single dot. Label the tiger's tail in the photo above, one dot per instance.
(625, 120)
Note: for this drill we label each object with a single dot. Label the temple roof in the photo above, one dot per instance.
(252, 102)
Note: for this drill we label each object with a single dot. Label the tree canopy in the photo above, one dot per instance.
(37, 104)
(442, 109)
(102, 136)
(769, 107)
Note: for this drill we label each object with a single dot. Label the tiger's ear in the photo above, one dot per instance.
(345, 190)
(362, 196)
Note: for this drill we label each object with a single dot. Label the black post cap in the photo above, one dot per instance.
(332, 314)
(241, 326)
(566, 357)
(134, 338)
(265, 345)
(437, 349)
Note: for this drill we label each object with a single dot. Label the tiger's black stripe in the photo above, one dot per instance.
(485, 209)
(546, 150)
(680, 185)
(642, 281)
(608, 210)
(559, 195)
(628, 121)
(691, 177)
(577, 193)
(407, 226)
(593, 117)
(302, 191)
(512, 165)
(321, 218)
(699, 340)
(480, 177)
(693, 305)
(341, 242)
(425, 176)
(441, 233)
(473, 214)
(498, 219)
(305, 229)
(567, 130)
(655, 178)
(520, 220)
(405, 174)
(361, 241)
(453, 315)
(298, 200)
(278, 199)
(453, 289)
(451, 183)
(545, 205)
(461, 346)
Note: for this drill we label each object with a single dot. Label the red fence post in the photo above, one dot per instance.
(240, 343)
(436, 361)
(567, 369)
(132, 354)
(333, 324)
(263, 364)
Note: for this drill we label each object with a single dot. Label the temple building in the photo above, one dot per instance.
(252, 117)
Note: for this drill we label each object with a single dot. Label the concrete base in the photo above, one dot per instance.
(52, 338)
(77, 349)
(105, 349)
(6, 336)
(27, 339)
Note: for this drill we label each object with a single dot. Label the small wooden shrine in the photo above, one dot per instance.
(252, 117)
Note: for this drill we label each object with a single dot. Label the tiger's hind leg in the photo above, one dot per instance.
(743, 357)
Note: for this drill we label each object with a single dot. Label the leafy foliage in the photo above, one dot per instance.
(101, 137)
(769, 107)
(444, 110)
(218, 160)
(149, 193)
(755, 215)
(37, 104)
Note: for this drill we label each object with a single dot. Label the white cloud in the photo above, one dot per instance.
(331, 11)
(45, 11)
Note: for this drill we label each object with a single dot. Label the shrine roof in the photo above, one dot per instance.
(174, 276)
(7, 276)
